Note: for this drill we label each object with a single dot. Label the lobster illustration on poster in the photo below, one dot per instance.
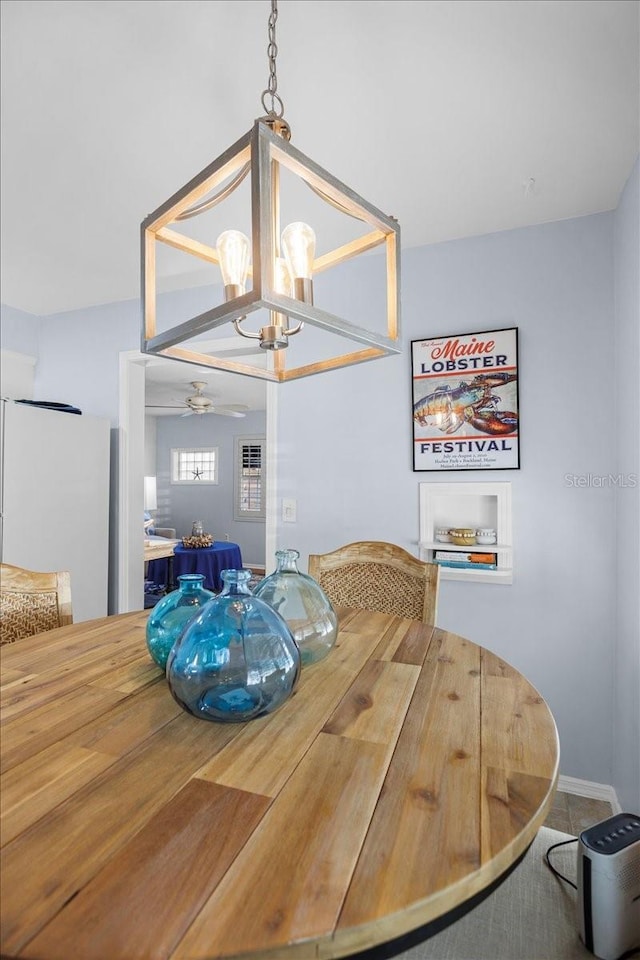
(465, 401)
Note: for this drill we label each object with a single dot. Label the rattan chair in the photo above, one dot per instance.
(372, 575)
(32, 602)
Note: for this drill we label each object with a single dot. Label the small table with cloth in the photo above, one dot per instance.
(209, 561)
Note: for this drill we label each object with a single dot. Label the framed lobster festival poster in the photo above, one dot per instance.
(465, 401)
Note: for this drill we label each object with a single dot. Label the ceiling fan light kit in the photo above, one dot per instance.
(283, 261)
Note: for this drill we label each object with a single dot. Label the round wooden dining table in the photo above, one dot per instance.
(410, 770)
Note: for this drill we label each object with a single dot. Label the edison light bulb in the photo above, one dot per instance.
(233, 252)
(299, 246)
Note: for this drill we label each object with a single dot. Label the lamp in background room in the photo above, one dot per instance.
(150, 502)
(280, 263)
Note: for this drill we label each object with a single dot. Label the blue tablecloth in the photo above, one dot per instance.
(209, 561)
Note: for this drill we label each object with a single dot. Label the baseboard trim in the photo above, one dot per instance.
(587, 788)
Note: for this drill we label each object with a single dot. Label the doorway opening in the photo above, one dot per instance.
(129, 556)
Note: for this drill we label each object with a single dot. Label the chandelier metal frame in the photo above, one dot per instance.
(260, 154)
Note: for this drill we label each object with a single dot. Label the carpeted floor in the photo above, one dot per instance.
(573, 814)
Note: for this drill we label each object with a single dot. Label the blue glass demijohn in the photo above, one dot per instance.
(302, 602)
(171, 615)
(237, 660)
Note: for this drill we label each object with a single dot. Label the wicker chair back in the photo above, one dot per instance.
(32, 602)
(373, 575)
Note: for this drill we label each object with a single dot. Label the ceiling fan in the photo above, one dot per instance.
(198, 403)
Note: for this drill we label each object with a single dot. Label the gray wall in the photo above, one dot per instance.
(626, 695)
(79, 350)
(179, 506)
(19, 331)
(344, 453)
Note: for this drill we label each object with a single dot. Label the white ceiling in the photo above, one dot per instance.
(458, 117)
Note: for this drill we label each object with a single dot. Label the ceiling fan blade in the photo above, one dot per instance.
(225, 413)
(161, 406)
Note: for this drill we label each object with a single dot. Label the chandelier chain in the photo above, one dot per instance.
(276, 109)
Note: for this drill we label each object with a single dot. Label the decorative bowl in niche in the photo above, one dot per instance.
(463, 536)
(486, 535)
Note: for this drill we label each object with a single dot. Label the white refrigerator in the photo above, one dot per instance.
(55, 498)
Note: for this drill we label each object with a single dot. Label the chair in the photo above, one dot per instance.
(32, 602)
(168, 532)
(372, 575)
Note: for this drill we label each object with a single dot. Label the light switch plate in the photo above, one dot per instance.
(289, 510)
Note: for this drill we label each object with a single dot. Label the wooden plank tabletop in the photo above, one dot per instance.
(409, 770)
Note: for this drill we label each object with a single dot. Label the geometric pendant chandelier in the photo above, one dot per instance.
(266, 281)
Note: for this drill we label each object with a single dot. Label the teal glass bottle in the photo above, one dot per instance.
(301, 601)
(237, 660)
(171, 615)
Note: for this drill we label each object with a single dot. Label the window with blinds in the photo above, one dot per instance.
(249, 479)
(194, 465)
